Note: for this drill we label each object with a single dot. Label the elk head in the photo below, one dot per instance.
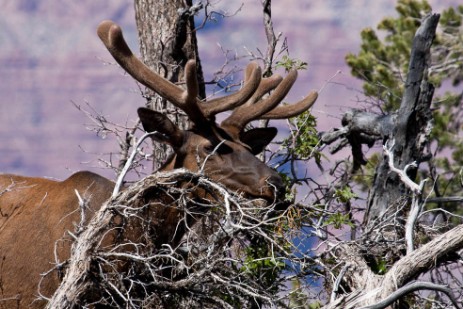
(225, 152)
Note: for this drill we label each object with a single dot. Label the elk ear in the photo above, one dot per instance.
(258, 138)
(167, 131)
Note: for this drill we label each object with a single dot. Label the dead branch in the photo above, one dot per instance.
(412, 126)
(128, 163)
(206, 256)
(412, 287)
(423, 259)
(359, 128)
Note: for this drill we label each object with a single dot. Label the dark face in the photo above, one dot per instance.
(212, 151)
(231, 164)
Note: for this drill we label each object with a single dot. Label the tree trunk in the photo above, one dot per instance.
(412, 124)
(167, 41)
(412, 128)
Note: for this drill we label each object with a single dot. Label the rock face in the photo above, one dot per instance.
(50, 56)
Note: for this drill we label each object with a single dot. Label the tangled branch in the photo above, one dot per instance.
(222, 249)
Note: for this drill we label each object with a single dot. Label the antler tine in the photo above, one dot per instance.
(111, 35)
(249, 112)
(253, 75)
(265, 86)
(288, 111)
(190, 96)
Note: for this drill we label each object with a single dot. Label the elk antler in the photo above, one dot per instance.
(267, 108)
(247, 103)
(187, 100)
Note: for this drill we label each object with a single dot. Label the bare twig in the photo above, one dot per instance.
(128, 163)
(337, 283)
(417, 189)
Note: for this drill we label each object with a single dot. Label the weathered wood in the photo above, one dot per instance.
(77, 281)
(359, 128)
(422, 260)
(112, 266)
(369, 289)
(84, 279)
(411, 126)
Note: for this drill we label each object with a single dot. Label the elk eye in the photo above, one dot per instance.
(209, 148)
(224, 149)
(219, 149)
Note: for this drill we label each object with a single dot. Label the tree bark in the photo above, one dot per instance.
(368, 288)
(167, 41)
(412, 124)
(412, 127)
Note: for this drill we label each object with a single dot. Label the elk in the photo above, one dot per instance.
(37, 216)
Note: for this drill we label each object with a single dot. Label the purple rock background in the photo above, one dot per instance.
(50, 56)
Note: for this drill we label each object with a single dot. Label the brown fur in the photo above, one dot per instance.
(35, 213)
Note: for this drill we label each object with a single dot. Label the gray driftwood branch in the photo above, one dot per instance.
(359, 128)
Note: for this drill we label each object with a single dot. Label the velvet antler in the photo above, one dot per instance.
(247, 104)
(187, 100)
